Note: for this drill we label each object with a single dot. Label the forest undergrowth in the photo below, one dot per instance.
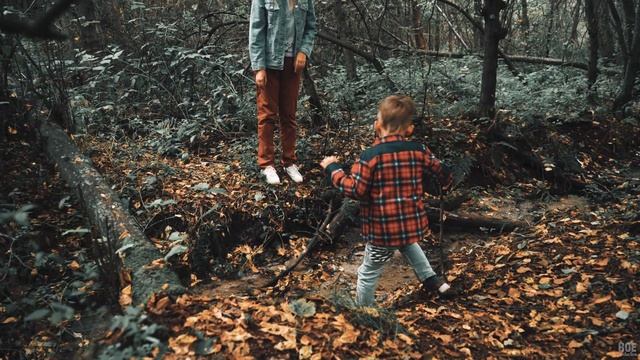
(563, 285)
(534, 105)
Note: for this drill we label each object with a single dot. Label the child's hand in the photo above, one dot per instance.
(328, 161)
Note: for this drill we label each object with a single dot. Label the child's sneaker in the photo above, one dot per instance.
(294, 173)
(439, 286)
(272, 176)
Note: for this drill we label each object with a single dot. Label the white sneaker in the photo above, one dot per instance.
(271, 175)
(294, 173)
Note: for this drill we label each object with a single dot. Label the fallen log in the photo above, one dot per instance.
(334, 224)
(473, 222)
(454, 221)
(107, 214)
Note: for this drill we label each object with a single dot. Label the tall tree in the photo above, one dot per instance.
(349, 59)
(633, 62)
(524, 15)
(493, 33)
(418, 32)
(553, 9)
(577, 11)
(89, 25)
(592, 29)
(619, 30)
(111, 20)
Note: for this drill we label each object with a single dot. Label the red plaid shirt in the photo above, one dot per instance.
(389, 180)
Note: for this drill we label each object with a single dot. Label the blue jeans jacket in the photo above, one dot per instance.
(267, 32)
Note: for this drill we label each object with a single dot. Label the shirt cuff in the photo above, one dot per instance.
(330, 169)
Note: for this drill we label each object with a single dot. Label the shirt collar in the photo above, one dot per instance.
(388, 138)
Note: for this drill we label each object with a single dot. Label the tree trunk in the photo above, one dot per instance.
(548, 36)
(314, 99)
(633, 65)
(418, 33)
(573, 37)
(493, 33)
(478, 35)
(618, 28)
(7, 49)
(524, 17)
(90, 30)
(436, 36)
(605, 33)
(592, 29)
(349, 59)
(112, 21)
(629, 20)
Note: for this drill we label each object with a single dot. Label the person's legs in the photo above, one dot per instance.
(418, 261)
(421, 266)
(267, 99)
(289, 88)
(369, 273)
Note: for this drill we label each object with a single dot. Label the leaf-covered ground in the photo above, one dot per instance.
(52, 302)
(564, 286)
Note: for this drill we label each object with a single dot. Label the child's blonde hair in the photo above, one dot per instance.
(396, 112)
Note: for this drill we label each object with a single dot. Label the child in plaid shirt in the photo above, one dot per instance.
(390, 179)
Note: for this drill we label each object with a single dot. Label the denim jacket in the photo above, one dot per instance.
(267, 32)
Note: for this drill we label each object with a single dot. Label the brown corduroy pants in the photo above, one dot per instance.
(278, 101)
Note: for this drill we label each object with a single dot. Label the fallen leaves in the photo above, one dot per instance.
(349, 334)
(125, 296)
(181, 345)
(528, 294)
(599, 299)
(287, 332)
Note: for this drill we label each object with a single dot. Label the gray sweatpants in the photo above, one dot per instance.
(373, 264)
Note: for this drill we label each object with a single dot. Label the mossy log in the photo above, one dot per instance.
(106, 213)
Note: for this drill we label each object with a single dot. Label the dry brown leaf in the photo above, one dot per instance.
(240, 351)
(374, 339)
(181, 345)
(446, 339)
(595, 321)
(623, 305)
(514, 293)
(406, 339)
(125, 277)
(575, 344)
(74, 265)
(602, 262)
(162, 304)
(156, 264)
(125, 296)
(9, 320)
(581, 287)
(238, 334)
(306, 340)
(600, 299)
(349, 333)
(305, 352)
(287, 332)
(123, 235)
